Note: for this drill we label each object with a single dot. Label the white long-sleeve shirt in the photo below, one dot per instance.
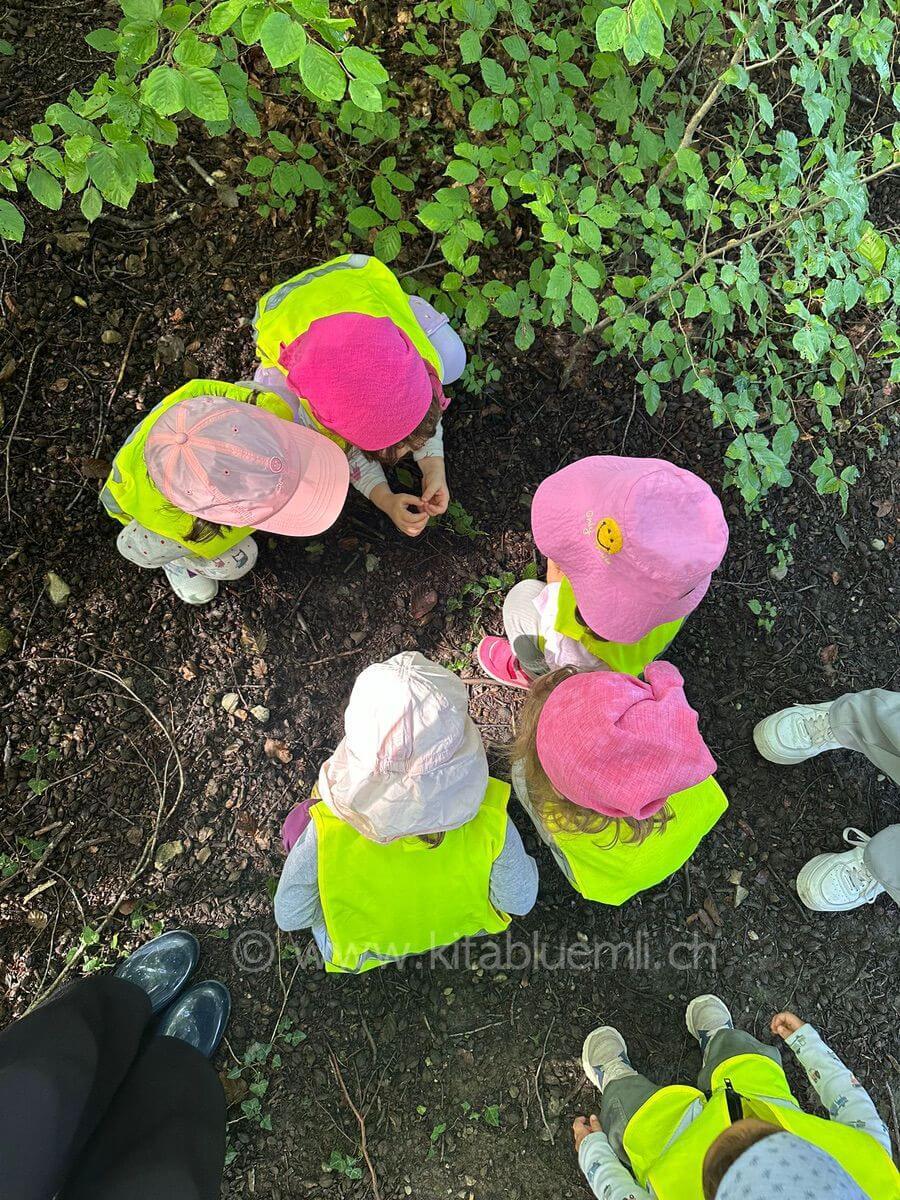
(838, 1089)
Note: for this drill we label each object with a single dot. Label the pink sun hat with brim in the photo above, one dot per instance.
(236, 464)
(411, 760)
(363, 378)
(638, 539)
(610, 743)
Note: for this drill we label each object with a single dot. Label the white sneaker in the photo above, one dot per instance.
(793, 735)
(706, 1015)
(189, 586)
(839, 881)
(604, 1057)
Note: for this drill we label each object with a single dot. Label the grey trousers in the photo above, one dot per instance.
(623, 1097)
(521, 625)
(869, 722)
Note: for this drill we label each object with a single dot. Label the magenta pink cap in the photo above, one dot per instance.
(638, 539)
(621, 747)
(236, 464)
(363, 378)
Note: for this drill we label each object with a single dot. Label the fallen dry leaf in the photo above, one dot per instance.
(277, 751)
(828, 654)
(94, 468)
(884, 507)
(422, 602)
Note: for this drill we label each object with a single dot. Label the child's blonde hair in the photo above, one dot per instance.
(558, 814)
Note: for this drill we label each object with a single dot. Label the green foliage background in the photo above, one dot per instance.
(675, 181)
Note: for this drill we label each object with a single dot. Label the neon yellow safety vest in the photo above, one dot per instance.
(131, 495)
(351, 283)
(671, 1162)
(630, 658)
(611, 874)
(407, 897)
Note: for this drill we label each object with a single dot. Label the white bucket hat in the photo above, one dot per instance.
(411, 760)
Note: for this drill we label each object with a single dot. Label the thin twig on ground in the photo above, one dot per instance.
(15, 426)
(360, 1120)
(537, 1082)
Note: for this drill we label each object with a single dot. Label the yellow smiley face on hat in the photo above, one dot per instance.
(609, 536)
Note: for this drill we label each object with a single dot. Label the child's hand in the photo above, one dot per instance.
(407, 512)
(786, 1023)
(435, 493)
(582, 1128)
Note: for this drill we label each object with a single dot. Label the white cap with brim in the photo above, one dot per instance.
(411, 761)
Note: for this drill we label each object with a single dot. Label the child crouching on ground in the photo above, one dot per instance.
(740, 1134)
(616, 777)
(366, 362)
(211, 463)
(631, 545)
(408, 847)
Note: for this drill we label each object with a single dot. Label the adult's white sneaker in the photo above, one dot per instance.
(604, 1057)
(793, 735)
(841, 880)
(706, 1015)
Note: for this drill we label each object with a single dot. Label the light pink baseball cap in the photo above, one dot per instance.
(610, 743)
(236, 464)
(638, 539)
(363, 378)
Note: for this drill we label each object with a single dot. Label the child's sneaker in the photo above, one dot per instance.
(838, 881)
(496, 658)
(189, 586)
(706, 1015)
(793, 735)
(604, 1057)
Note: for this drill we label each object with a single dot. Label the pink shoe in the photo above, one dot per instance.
(495, 657)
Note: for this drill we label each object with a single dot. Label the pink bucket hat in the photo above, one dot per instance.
(362, 377)
(638, 539)
(621, 747)
(236, 464)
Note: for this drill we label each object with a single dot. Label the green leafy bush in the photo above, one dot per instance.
(172, 63)
(685, 186)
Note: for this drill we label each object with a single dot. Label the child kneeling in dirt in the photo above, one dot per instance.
(206, 467)
(410, 847)
(366, 362)
(616, 777)
(740, 1135)
(631, 545)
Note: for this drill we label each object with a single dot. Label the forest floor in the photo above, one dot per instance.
(116, 740)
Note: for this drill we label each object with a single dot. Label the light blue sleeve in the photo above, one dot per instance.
(607, 1177)
(514, 876)
(297, 901)
(837, 1087)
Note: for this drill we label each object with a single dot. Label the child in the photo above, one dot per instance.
(209, 464)
(409, 847)
(616, 777)
(742, 1135)
(366, 362)
(631, 545)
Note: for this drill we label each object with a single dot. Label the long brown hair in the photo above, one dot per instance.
(425, 430)
(558, 814)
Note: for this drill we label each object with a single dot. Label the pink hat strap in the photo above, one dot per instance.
(437, 389)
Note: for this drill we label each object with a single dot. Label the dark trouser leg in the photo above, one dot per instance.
(163, 1137)
(59, 1069)
(621, 1100)
(726, 1043)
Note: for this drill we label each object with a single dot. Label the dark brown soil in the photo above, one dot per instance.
(421, 1049)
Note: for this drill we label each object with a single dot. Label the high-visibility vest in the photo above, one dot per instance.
(629, 658)
(670, 1159)
(129, 493)
(407, 897)
(351, 283)
(611, 874)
